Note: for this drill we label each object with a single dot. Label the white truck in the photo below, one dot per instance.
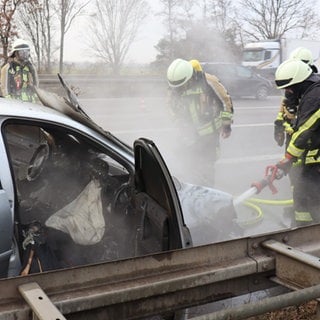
(267, 55)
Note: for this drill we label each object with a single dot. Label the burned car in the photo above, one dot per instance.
(73, 194)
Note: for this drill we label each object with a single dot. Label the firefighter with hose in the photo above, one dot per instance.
(285, 122)
(299, 81)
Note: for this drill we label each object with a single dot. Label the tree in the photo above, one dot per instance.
(67, 11)
(114, 27)
(171, 20)
(36, 21)
(272, 19)
(202, 30)
(7, 27)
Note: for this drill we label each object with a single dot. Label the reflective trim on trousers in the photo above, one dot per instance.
(303, 216)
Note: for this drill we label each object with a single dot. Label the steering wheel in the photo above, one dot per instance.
(37, 162)
(122, 196)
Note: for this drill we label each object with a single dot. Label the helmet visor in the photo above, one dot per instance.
(23, 54)
(178, 83)
(284, 82)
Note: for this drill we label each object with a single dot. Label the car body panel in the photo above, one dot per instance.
(6, 227)
(240, 81)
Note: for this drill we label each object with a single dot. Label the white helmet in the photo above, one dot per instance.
(302, 54)
(19, 45)
(179, 72)
(290, 72)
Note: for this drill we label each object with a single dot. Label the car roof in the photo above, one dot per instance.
(218, 63)
(53, 108)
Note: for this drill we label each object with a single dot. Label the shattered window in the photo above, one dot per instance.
(72, 198)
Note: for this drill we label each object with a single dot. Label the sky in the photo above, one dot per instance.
(141, 51)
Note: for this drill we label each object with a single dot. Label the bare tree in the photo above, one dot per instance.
(37, 21)
(270, 19)
(67, 11)
(114, 28)
(171, 20)
(8, 29)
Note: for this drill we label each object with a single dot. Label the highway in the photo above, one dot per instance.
(244, 155)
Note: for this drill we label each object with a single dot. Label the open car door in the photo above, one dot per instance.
(6, 227)
(162, 225)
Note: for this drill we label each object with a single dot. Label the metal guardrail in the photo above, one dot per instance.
(170, 281)
(102, 86)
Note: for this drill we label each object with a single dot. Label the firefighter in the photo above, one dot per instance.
(18, 75)
(202, 106)
(283, 125)
(298, 79)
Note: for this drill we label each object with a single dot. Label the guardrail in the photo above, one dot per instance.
(166, 282)
(102, 86)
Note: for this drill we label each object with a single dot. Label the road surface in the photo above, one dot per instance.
(244, 155)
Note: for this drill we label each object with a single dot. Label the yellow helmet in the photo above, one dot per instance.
(19, 45)
(179, 72)
(196, 65)
(302, 54)
(290, 72)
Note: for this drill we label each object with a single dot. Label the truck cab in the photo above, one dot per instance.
(261, 55)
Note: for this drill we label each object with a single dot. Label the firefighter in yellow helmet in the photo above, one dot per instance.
(298, 79)
(284, 126)
(202, 107)
(18, 75)
(288, 108)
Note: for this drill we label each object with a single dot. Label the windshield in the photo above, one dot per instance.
(253, 55)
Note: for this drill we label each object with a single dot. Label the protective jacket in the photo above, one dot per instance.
(205, 103)
(18, 81)
(305, 141)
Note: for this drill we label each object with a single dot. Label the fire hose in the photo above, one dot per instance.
(272, 173)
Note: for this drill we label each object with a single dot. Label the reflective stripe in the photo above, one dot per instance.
(287, 127)
(313, 156)
(194, 106)
(226, 115)
(303, 216)
(205, 129)
(192, 91)
(280, 116)
(292, 149)
(297, 163)
(25, 93)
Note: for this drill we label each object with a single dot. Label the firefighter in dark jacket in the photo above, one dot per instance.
(203, 107)
(298, 79)
(18, 75)
(283, 125)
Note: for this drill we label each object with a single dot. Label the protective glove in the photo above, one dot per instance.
(286, 163)
(279, 134)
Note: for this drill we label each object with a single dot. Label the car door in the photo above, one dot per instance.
(162, 228)
(80, 201)
(246, 83)
(6, 233)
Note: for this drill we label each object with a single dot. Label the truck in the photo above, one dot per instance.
(266, 55)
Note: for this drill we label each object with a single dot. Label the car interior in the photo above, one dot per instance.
(76, 202)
